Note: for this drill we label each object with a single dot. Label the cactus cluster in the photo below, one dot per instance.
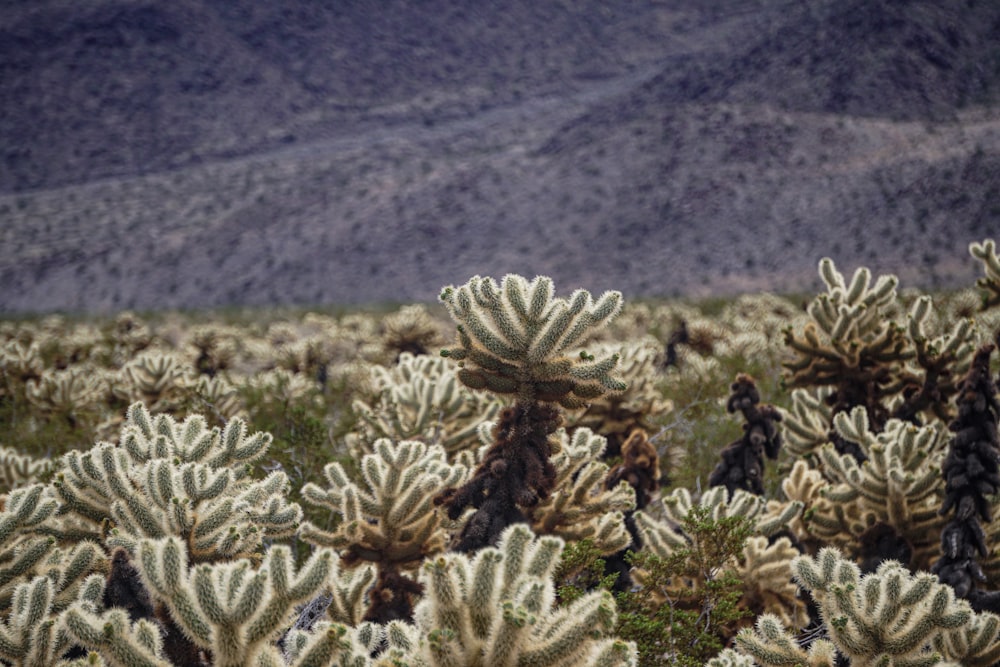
(167, 478)
(497, 608)
(888, 617)
(390, 520)
(318, 491)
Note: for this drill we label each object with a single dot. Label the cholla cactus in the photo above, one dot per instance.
(930, 379)
(805, 485)
(496, 609)
(852, 344)
(393, 515)
(169, 478)
(580, 505)
(64, 567)
(514, 339)
(279, 386)
(232, 609)
(897, 486)
(639, 468)
(515, 475)
(31, 634)
(742, 464)
(18, 470)
(972, 474)
(219, 397)
(730, 658)
(770, 645)
(129, 335)
(661, 537)
(112, 636)
(329, 644)
(616, 415)
(890, 617)
(420, 398)
(20, 363)
(160, 380)
(410, 330)
(70, 394)
(393, 522)
(766, 570)
(23, 513)
(975, 644)
(764, 588)
(38, 580)
(216, 351)
(309, 357)
(986, 252)
(765, 313)
(806, 425)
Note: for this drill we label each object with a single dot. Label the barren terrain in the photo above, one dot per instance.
(194, 154)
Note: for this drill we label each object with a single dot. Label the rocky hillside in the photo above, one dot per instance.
(196, 153)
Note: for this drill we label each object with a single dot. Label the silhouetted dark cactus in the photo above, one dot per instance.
(742, 464)
(972, 475)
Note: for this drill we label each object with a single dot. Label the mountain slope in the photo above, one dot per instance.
(665, 148)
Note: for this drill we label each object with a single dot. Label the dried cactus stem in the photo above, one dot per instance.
(742, 464)
(640, 469)
(391, 599)
(514, 476)
(972, 474)
(124, 588)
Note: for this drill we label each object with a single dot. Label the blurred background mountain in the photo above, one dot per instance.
(199, 153)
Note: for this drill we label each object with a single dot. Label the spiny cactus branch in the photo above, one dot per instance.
(515, 338)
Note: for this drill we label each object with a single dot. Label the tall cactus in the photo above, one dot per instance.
(852, 343)
(972, 474)
(854, 347)
(517, 339)
(742, 464)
